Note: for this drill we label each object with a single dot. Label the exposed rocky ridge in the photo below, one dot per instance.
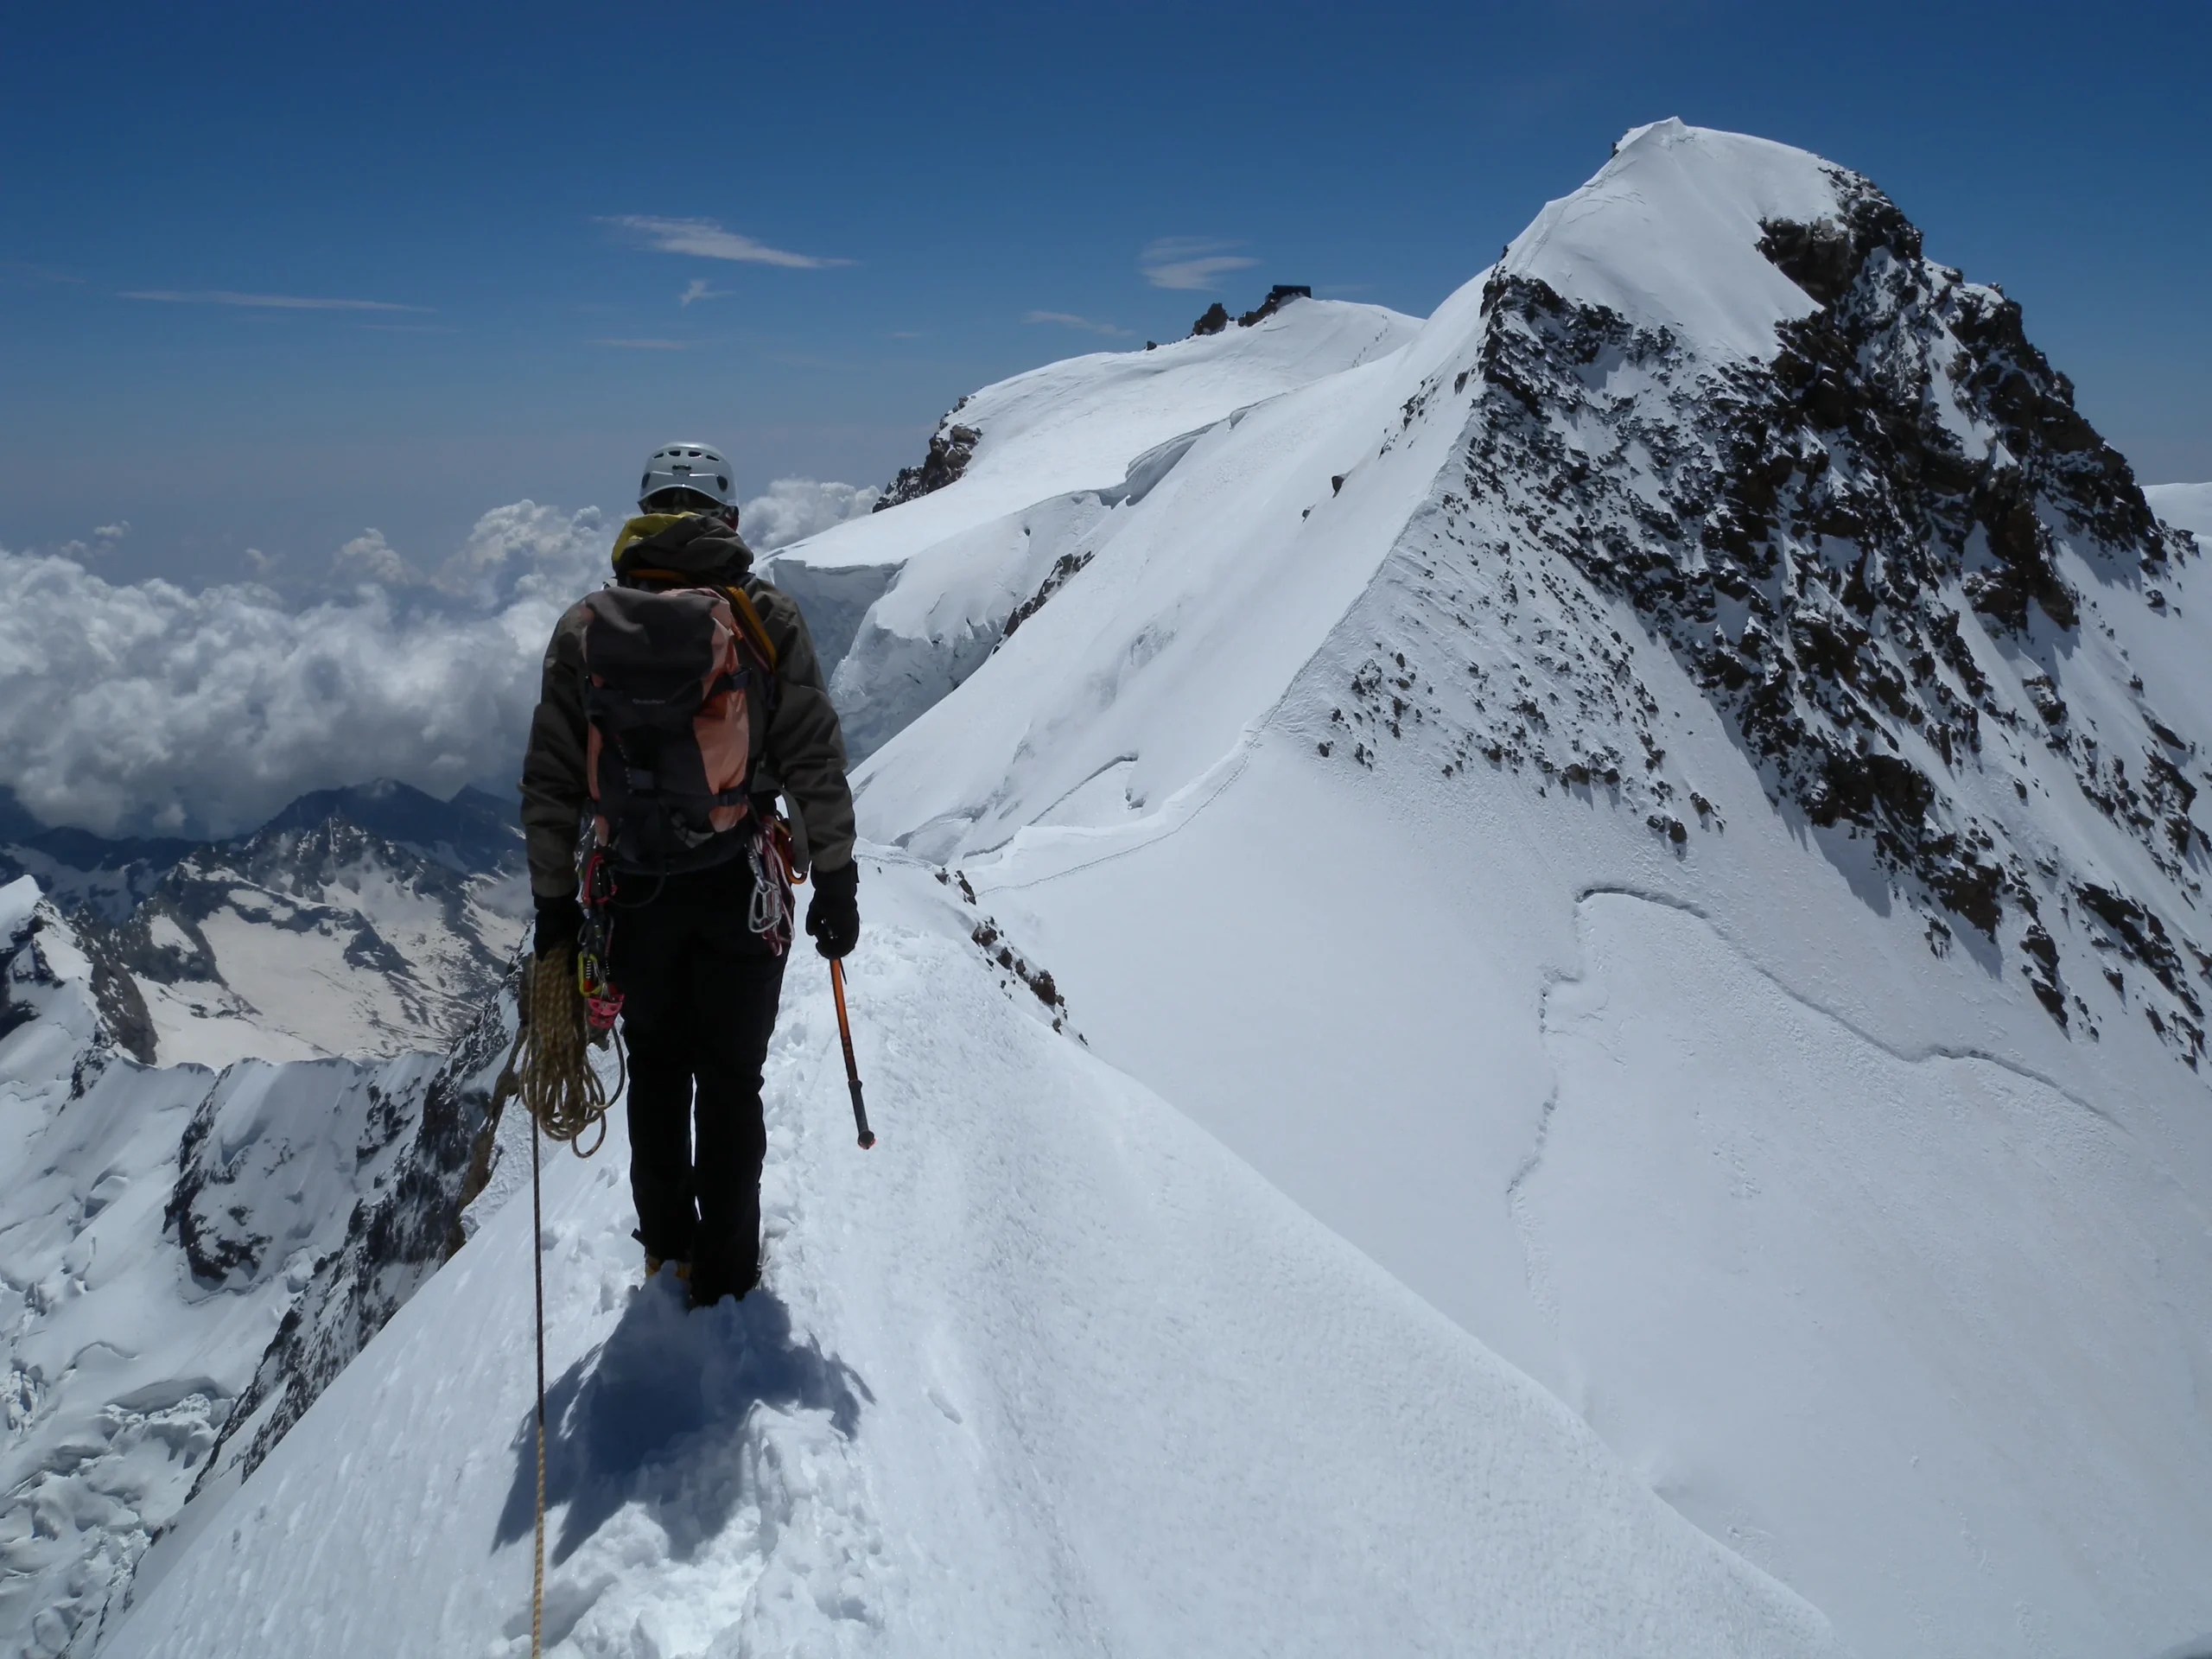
(395, 1236)
(1868, 550)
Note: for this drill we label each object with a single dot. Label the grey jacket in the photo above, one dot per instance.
(805, 749)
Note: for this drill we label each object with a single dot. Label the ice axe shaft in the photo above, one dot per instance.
(852, 1069)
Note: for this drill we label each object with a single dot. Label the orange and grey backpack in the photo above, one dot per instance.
(678, 685)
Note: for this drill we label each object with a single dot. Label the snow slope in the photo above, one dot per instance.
(157, 1228)
(1502, 849)
(1048, 1371)
(903, 603)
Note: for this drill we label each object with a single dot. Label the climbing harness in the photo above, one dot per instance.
(549, 1070)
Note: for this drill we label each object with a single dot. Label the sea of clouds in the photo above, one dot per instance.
(146, 707)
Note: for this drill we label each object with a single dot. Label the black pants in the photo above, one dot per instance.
(699, 1003)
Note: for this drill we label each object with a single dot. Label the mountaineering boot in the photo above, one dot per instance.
(654, 1264)
(711, 1283)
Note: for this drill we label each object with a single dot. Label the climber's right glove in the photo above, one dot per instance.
(833, 920)
(560, 921)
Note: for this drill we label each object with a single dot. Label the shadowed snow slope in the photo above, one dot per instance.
(1046, 1372)
(1664, 811)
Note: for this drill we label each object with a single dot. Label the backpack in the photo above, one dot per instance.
(673, 681)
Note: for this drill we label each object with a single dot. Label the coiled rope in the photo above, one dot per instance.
(549, 1070)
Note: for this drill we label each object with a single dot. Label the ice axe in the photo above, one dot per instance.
(852, 1068)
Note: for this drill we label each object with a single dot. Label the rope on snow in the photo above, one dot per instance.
(549, 1070)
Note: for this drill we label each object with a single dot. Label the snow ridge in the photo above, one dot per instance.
(1048, 1371)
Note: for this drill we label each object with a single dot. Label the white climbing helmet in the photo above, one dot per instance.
(688, 467)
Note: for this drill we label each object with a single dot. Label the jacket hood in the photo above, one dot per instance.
(689, 544)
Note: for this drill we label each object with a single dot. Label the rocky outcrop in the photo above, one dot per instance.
(433, 1127)
(1278, 296)
(1212, 321)
(1815, 537)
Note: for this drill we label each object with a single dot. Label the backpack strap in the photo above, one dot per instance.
(756, 634)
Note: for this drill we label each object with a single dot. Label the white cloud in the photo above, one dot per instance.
(699, 289)
(1185, 262)
(797, 507)
(143, 705)
(369, 558)
(1068, 319)
(105, 539)
(136, 706)
(271, 302)
(708, 240)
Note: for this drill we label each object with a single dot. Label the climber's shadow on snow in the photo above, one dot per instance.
(663, 1415)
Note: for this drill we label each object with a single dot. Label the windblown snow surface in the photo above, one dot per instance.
(1627, 866)
(1048, 1372)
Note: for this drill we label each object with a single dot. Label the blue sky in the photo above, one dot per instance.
(923, 198)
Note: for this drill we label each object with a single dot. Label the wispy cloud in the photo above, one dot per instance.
(37, 272)
(1190, 262)
(708, 240)
(648, 345)
(1069, 320)
(265, 301)
(700, 290)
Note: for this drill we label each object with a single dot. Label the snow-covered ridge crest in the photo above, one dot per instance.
(905, 604)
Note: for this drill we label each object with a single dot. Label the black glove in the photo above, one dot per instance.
(560, 919)
(834, 919)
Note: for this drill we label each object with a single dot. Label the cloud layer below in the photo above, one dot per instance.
(144, 707)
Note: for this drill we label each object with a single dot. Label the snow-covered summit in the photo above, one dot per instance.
(1667, 234)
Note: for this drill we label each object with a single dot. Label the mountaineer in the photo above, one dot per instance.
(677, 704)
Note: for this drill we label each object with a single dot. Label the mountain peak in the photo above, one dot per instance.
(1667, 233)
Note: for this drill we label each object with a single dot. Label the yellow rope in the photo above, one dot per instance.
(551, 1063)
(549, 1068)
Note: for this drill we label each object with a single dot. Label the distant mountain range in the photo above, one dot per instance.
(364, 921)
